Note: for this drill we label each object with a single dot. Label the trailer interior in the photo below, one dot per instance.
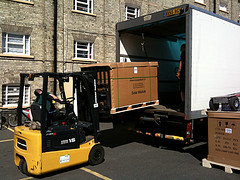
(157, 41)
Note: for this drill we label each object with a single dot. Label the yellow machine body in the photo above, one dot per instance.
(28, 145)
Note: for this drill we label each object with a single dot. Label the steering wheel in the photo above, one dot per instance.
(70, 99)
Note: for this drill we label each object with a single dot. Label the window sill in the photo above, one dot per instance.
(17, 56)
(224, 11)
(24, 2)
(200, 3)
(8, 107)
(81, 12)
(84, 60)
(13, 107)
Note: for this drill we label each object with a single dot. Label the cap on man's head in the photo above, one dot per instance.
(37, 92)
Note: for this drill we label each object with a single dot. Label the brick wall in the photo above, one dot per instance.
(36, 19)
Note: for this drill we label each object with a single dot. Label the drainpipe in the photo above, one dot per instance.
(214, 6)
(55, 44)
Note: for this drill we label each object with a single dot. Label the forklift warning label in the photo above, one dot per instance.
(65, 158)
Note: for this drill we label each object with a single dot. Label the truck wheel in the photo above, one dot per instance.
(96, 155)
(23, 167)
(234, 103)
(213, 106)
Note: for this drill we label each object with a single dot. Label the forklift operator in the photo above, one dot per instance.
(49, 105)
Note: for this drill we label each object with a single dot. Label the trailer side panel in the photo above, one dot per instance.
(215, 58)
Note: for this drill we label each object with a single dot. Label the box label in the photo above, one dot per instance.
(224, 139)
(138, 85)
(135, 70)
(228, 130)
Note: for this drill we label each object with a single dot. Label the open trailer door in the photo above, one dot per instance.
(157, 37)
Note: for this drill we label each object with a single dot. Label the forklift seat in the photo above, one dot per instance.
(36, 112)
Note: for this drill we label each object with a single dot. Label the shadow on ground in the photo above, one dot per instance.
(120, 135)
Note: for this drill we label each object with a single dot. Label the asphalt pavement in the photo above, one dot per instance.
(128, 155)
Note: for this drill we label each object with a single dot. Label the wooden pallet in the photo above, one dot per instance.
(134, 107)
(228, 168)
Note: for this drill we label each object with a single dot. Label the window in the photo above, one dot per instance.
(10, 94)
(132, 13)
(223, 7)
(15, 44)
(200, 1)
(83, 50)
(83, 5)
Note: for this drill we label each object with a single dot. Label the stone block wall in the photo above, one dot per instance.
(36, 17)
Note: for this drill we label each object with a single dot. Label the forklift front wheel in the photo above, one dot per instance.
(234, 103)
(23, 167)
(96, 155)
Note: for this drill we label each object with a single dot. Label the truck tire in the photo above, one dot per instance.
(23, 167)
(213, 106)
(234, 103)
(96, 155)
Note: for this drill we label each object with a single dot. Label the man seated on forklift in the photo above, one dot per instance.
(50, 98)
(49, 103)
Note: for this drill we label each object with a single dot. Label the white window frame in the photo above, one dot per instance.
(6, 95)
(88, 4)
(88, 50)
(223, 7)
(128, 14)
(25, 47)
(200, 1)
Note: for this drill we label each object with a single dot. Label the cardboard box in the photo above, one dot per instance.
(224, 137)
(133, 85)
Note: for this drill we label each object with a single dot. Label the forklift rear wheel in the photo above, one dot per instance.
(96, 155)
(213, 106)
(234, 103)
(23, 167)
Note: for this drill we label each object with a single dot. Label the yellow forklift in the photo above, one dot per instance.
(66, 136)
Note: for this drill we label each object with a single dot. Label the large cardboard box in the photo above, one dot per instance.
(133, 85)
(224, 137)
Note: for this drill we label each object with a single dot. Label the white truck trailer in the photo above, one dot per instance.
(212, 63)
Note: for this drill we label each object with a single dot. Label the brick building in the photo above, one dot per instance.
(60, 36)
